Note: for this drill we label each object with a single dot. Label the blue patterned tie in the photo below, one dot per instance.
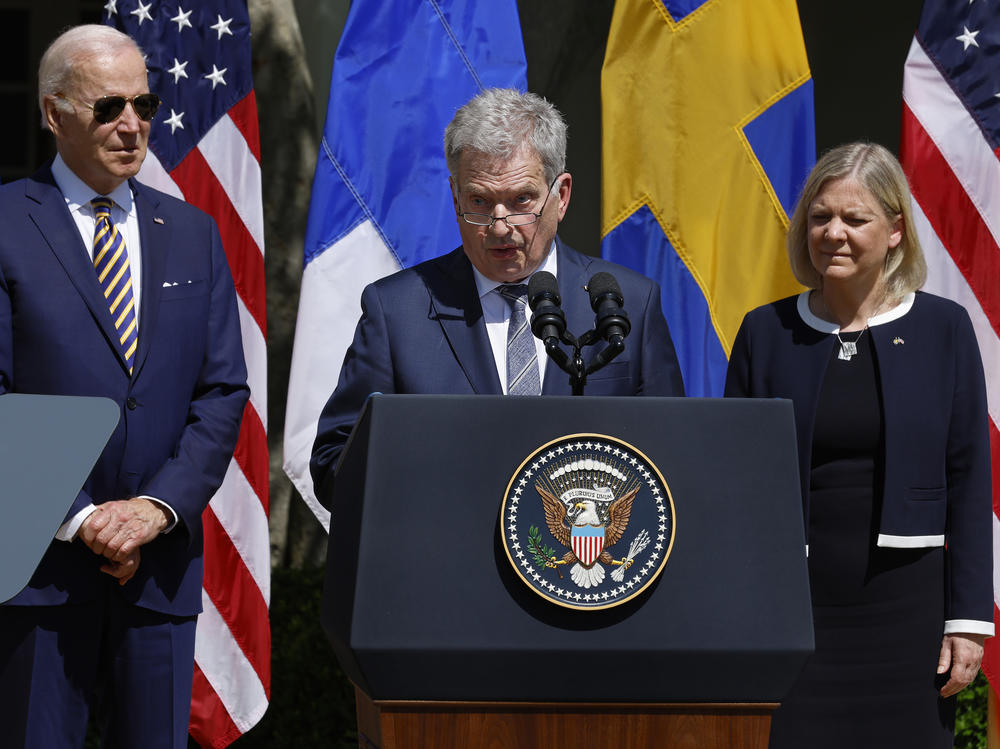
(112, 266)
(522, 359)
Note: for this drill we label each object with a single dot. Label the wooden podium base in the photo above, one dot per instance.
(392, 724)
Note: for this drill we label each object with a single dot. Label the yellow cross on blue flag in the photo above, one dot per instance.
(708, 136)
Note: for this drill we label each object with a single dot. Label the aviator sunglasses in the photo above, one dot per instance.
(109, 108)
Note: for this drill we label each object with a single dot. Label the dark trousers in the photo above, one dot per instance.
(133, 667)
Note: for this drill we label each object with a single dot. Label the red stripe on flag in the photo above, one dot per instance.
(251, 454)
(954, 217)
(244, 115)
(235, 594)
(210, 724)
(201, 188)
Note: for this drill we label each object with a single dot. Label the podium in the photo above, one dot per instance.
(447, 645)
(48, 445)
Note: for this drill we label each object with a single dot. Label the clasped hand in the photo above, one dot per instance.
(117, 530)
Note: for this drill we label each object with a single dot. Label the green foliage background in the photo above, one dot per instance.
(970, 723)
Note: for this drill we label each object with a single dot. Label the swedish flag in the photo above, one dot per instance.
(708, 137)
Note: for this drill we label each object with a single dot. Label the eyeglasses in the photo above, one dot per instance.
(512, 219)
(109, 108)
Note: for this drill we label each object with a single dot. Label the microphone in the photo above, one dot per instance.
(548, 322)
(611, 321)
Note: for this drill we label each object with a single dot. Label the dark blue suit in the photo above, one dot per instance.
(180, 409)
(936, 487)
(422, 331)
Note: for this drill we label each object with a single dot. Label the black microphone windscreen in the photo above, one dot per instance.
(541, 285)
(601, 284)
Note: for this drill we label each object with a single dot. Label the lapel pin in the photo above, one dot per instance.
(157, 220)
(897, 341)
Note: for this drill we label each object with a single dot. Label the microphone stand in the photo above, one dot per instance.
(574, 365)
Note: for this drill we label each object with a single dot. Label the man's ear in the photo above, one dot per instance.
(565, 189)
(52, 114)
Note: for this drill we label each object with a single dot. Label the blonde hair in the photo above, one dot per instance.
(874, 168)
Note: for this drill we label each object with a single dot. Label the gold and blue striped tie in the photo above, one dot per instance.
(112, 266)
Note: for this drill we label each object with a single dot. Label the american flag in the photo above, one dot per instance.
(950, 150)
(204, 148)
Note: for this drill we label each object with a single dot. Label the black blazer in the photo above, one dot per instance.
(937, 487)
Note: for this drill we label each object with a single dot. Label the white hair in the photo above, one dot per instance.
(57, 70)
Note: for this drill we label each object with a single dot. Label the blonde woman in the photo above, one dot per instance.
(890, 411)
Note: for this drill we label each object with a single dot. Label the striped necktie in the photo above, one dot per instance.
(112, 266)
(522, 359)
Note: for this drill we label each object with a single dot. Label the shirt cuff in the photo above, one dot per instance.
(969, 627)
(171, 515)
(67, 531)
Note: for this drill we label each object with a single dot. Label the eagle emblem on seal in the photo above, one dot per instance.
(587, 521)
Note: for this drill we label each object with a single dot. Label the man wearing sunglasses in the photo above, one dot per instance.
(455, 324)
(109, 288)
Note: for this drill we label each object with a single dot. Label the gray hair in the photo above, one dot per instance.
(501, 121)
(57, 70)
(873, 167)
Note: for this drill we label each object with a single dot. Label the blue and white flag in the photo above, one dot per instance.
(380, 199)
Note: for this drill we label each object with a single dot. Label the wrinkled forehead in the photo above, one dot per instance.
(105, 73)
(523, 168)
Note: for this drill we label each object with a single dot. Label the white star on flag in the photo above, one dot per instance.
(222, 27)
(181, 19)
(216, 76)
(177, 71)
(968, 38)
(174, 120)
(142, 12)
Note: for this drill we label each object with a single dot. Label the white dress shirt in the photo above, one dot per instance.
(496, 314)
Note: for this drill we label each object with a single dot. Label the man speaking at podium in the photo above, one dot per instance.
(109, 288)
(458, 324)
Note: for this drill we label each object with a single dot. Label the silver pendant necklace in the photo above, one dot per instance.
(849, 349)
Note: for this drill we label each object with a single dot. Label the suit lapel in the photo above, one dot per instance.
(154, 234)
(456, 307)
(52, 219)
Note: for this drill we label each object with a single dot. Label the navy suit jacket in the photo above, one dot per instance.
(937, 485)
(180, 409)
(422, 331)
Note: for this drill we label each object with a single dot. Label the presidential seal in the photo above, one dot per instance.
(587, 521)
